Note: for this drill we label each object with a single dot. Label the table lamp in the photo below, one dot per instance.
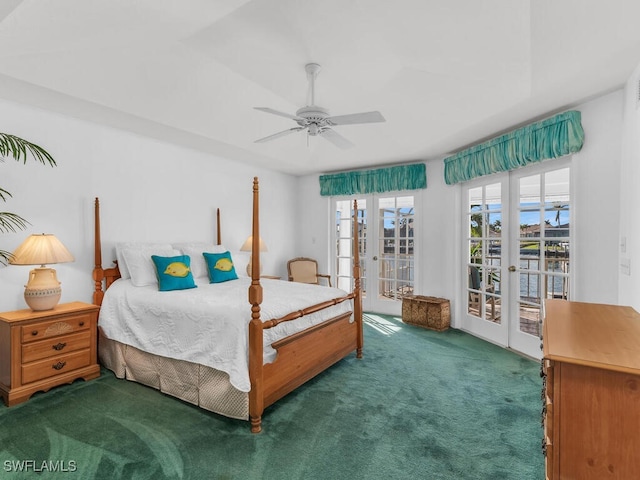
(246, 247)
(42, 291)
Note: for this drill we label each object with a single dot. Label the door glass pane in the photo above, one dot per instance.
(529, 291)
(530, 191)
(494, 253)
(395, 247)
(544, 238)
(485, 252)
(529, 318)
(556, 219)
(344, 242)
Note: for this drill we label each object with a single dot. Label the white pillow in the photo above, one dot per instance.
(137, 260)
(122, 266)
(121, 246)
(240, 262)
(195, 250)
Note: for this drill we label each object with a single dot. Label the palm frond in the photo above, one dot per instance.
(4, 194)
(5, 257)
(20, 149)
(10, 222)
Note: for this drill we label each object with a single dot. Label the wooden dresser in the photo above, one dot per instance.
(39, 350)
(591, 391)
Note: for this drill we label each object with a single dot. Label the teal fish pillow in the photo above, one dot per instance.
(220, 266)
(174, 273)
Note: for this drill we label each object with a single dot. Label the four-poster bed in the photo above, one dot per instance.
(303, 341)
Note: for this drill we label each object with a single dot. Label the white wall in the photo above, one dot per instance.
(149, 190)
(630, 196)
(437, 272)
(596, 183)
(312, 219)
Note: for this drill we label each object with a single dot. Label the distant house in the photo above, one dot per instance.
(533, 231)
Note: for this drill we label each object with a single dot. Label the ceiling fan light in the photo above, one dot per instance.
(317, 120)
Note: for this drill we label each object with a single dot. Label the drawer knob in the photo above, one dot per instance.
(81, 323)
(59, 346)
(59, 365)
(34, 332)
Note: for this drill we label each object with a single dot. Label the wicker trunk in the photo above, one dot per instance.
(428, 312)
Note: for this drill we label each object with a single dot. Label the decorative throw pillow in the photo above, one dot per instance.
(174, 273)
(220, 267)
(195, 250)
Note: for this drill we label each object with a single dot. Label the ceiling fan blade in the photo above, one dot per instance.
(278, 135)
(335, 138)
(351, 119)
(278, 112)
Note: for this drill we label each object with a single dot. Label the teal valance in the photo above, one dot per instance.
(359, 182)
(551, 138)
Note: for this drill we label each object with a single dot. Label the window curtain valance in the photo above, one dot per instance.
(551, 138)
(404, 177)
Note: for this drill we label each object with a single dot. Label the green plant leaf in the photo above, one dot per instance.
(4, 194)
(5, 257)
(19, 149)
(10, 222)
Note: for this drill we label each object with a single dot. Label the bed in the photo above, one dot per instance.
(279, 334)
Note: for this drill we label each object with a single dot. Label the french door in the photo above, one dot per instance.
(386, 226)
(517, 230)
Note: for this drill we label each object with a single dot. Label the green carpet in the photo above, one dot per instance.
(419, 405)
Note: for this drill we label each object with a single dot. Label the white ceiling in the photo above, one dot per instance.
(444, 73)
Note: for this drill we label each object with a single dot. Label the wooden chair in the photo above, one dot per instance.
(305, 270)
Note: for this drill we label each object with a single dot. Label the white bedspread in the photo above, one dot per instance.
(209, 324)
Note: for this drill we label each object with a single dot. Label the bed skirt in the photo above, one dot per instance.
(197, 384)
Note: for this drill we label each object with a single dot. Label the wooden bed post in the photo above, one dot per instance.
(218, 236)
(98, 272)
(256, 353)
(357, 301)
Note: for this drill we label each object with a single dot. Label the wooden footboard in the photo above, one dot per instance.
(306, 354)
(301, 356)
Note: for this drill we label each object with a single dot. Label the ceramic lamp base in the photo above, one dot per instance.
(250, 267)
(43, 290)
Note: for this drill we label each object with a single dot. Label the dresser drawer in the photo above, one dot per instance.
(55, 346)
(55, 365)
(52, 328)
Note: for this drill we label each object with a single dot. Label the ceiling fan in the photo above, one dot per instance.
(316, 120)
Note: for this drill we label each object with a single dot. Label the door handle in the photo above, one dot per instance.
(512, 268)
(375, 257)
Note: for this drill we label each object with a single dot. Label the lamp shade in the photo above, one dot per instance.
(41, 249)
(246, 246)
(42, 292)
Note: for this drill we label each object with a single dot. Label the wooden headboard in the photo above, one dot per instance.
(110, 275)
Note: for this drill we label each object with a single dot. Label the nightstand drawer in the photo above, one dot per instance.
(55, 346)
(55, 366)
(43, 349)
(51, 328)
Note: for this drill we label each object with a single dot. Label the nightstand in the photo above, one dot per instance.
(40, 350)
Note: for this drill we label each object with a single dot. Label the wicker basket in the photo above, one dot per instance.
(428, 312)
